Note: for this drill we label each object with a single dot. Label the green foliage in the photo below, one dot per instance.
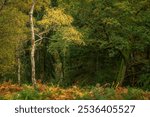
(1, 98)
(31, 94)
(77, 42)
(13, 33)
(100, 93)
(27, 94)
(144, 81)
(133, 94)
(53, 92)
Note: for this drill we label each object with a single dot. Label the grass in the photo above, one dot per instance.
(9, 91)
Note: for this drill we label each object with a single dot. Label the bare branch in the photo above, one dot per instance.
(41, 38)
(44, 32)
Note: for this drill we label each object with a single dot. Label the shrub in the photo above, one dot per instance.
(133, 94)
(27, 94)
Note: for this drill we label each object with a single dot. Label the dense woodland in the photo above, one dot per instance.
(97, 43)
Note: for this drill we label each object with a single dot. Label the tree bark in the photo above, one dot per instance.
(123, 67)
(19, 71)
(32, 45)
(121, 74)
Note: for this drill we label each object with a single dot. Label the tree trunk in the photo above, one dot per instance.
(32, 45)
(64, 60)
(121, 74)
(58, 67)
(122, 69)
(19, 71)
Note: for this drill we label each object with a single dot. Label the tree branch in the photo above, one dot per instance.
(41, 38)
(3, 4)
(45, 31)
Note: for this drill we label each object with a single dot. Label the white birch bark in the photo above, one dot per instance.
(32, 45)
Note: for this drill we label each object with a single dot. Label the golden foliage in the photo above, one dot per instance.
(70, 34)
(54, 18)
(9, 90)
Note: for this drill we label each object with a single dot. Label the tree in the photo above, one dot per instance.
(58, 23)
(70, 41)
(117, 27)
(13, 35)
(32, 44)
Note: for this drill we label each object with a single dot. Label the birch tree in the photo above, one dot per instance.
(32, 44)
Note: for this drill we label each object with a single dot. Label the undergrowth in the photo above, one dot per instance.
(10, 91)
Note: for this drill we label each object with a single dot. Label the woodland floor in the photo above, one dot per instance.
(9, 91)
